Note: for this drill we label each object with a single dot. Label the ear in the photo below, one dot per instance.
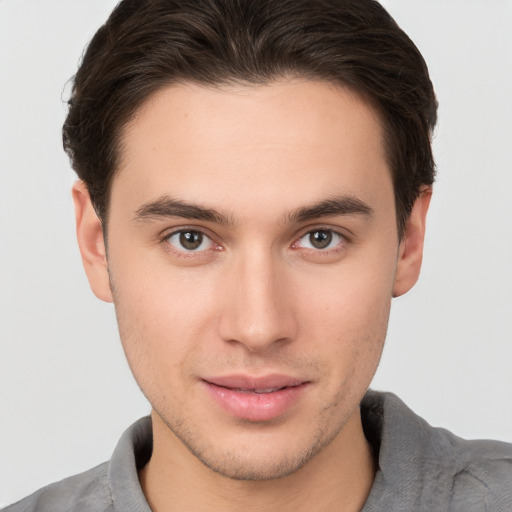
(89, 232)
(410, 253)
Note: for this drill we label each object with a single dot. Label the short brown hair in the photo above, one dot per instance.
(148, 44)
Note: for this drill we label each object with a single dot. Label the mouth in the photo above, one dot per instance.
(256, 399)
(259, 391)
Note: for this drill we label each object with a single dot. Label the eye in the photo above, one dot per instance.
(189, 240)
(320, 239)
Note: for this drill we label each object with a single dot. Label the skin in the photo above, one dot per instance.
(257, 297)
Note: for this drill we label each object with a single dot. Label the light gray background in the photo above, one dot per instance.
(66, 393)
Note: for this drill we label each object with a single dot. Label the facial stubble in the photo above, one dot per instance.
(232, 464)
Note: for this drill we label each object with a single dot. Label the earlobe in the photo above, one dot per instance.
(410, 253)
(89, 233)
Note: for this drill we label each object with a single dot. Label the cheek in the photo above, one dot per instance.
(348, 316)
(351, 331)
(161, 316)
(352, 296)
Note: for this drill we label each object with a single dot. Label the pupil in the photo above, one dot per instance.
(320, 239)
(191, 239)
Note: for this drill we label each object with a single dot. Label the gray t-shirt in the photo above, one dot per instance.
(420, 469)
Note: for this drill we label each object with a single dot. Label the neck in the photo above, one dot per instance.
(338, 478)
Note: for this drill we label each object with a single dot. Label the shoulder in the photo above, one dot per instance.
(483, 472)
(85, 491)
(422, 467)
(97, 490)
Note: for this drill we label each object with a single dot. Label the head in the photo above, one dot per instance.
(145, 46)
(263, 170)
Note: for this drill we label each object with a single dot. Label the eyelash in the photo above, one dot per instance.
(342, 240)
(184, 253)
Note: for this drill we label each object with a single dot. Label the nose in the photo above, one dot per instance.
(257, 307)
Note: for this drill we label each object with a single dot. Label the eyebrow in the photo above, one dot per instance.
(166, 206)
(340, 205)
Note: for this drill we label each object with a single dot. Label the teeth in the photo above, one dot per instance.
(266, 390)
(259, 391)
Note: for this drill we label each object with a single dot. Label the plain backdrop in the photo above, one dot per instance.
(66, 393)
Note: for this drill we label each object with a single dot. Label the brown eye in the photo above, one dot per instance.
(320, 239)
(189, 240)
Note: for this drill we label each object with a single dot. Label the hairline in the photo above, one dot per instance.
(232, 83)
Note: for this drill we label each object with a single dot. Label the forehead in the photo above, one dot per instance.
(290, 140)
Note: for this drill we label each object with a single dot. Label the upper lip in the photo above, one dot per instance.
(240, 381)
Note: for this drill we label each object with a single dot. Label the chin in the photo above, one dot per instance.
(256, 456)
(266, 466)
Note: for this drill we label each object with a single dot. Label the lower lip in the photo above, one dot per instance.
(256, 406)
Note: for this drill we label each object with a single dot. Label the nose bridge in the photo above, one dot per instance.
(257, 314)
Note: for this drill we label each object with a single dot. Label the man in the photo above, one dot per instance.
(255, 178)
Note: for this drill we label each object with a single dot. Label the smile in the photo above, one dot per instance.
(259, 391)
(256, 399)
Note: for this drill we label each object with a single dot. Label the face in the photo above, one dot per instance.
(252, 257)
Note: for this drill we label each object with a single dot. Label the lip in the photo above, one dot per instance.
(257, 399)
